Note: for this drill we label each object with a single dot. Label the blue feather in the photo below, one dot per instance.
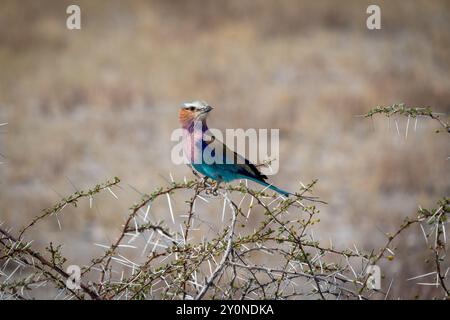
(230, 172)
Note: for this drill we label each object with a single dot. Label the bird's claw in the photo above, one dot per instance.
(213, 190)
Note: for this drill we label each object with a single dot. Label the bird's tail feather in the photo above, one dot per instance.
(281, 191)
(270, 186)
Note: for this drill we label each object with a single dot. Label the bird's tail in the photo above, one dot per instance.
(270, 186)
(283, 192)
(280, 191)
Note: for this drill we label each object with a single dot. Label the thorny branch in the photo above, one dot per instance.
(176, 269)
(410, 112)
(226, 254)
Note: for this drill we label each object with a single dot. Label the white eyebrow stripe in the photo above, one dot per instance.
(197, 104)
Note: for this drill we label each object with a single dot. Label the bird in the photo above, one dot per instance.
(223, 164)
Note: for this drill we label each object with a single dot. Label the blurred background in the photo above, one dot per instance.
(86, 105)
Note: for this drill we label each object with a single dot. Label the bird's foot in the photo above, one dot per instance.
(213, 190)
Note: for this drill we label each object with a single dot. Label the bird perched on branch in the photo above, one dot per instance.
(211, 157)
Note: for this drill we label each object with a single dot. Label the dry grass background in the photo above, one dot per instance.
(83, 106)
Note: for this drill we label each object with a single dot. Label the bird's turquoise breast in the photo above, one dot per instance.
(215, 171)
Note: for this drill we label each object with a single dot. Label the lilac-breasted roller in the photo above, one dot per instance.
(210, 157)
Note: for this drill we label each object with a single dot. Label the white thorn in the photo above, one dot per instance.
(407, 127)
(114, 195)
(224, 207)
(170, 207)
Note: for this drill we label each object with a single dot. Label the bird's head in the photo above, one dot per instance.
(194, 111)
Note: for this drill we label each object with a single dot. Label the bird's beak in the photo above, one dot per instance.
(207, 109)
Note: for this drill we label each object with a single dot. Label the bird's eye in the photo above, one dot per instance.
(191, 108)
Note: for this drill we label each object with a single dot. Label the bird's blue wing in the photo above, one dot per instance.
(230, 164)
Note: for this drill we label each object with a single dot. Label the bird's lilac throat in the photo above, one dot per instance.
(193, 133)
(192, 125)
